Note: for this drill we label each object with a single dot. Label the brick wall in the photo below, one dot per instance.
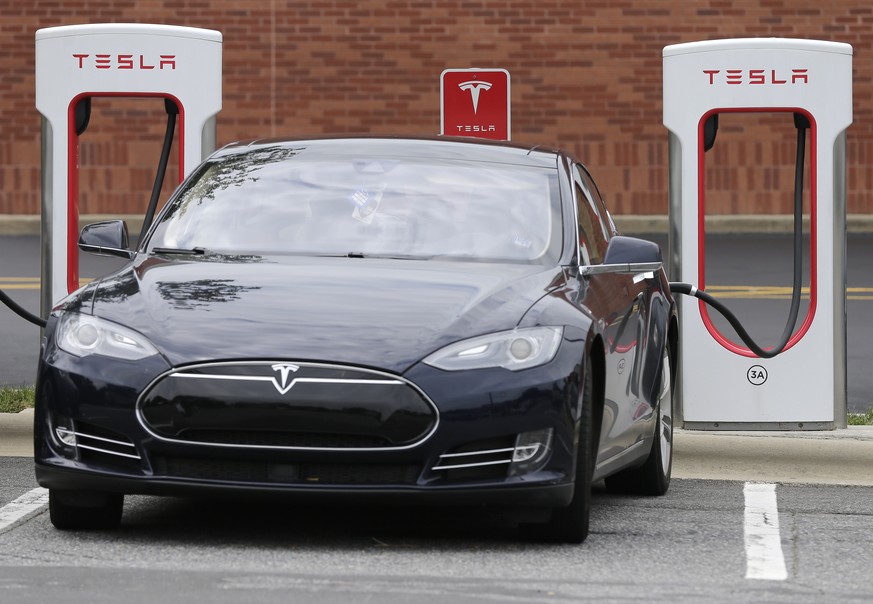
(585, 76)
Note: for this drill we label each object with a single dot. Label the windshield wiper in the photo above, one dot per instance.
(388, 256)
(194, 251)
(314, 254)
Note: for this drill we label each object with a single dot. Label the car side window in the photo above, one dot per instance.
(605, 216)
(593, 234)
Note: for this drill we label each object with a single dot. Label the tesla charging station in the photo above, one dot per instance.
(78, 62)
(723, 384)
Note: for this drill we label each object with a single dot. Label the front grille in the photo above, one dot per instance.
(232, 470)
(282, 439)
(265, 404)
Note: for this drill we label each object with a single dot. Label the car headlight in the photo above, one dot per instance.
(82, 335)
(513, 350)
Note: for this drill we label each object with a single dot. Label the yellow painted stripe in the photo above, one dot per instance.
(12, 283)
(768, 292)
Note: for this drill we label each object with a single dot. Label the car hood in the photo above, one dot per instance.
(372, 312)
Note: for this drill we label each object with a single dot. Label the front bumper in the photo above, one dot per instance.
(538, 495)
(479, 411)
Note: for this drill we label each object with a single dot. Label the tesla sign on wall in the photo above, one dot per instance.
(475, 102)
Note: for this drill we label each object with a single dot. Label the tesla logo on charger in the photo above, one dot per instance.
(124, 61)
(738, 77)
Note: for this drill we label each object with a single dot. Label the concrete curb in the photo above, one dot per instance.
(629, 224)
(833, 457)
(16, 434)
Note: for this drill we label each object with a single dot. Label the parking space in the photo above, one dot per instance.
(688, 545)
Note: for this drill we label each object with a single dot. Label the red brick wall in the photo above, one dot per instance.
(585, 76)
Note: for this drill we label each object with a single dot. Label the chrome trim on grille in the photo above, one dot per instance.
(492, 451)
(389, 379)
(108, 452)
(473, 465)
(472, 454)
(120, 443)
(282, 389)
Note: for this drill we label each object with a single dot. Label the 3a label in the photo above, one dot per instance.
(756, 375)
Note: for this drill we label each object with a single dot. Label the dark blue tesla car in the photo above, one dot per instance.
(355, 319)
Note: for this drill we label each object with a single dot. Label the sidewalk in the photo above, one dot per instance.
(16, 434)
(827, 457)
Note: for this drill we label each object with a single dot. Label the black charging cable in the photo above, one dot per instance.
(172, 111)
(21, 312)
(82, 115)
(802, 124)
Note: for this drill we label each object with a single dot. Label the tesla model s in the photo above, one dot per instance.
(360, 319)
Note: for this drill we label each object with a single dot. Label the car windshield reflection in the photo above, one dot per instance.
(373, 207)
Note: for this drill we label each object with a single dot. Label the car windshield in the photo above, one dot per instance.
(282, 203)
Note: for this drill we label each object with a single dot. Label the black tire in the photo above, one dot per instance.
(570, 524)
(85, 510)
(653, 477)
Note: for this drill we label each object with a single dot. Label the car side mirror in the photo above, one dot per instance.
(627, 255)
(109, 238)
(623, 250)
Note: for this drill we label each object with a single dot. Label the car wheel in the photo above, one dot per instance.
(570, 524)
(653, 477)
(73, 510)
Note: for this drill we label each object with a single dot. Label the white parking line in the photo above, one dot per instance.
(26, 505)
(764, 559)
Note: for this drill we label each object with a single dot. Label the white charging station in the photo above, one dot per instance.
(723, 385)
(77, 62)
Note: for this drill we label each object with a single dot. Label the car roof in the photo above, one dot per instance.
(443, 148)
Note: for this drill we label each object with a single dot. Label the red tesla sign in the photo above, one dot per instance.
(475, 102)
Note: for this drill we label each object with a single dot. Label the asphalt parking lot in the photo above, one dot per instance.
(705, 540)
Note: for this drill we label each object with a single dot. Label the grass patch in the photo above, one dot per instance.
(13, 400)
(861, 419)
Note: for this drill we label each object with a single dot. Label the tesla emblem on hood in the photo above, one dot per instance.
(475, 87)
(283, 384)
